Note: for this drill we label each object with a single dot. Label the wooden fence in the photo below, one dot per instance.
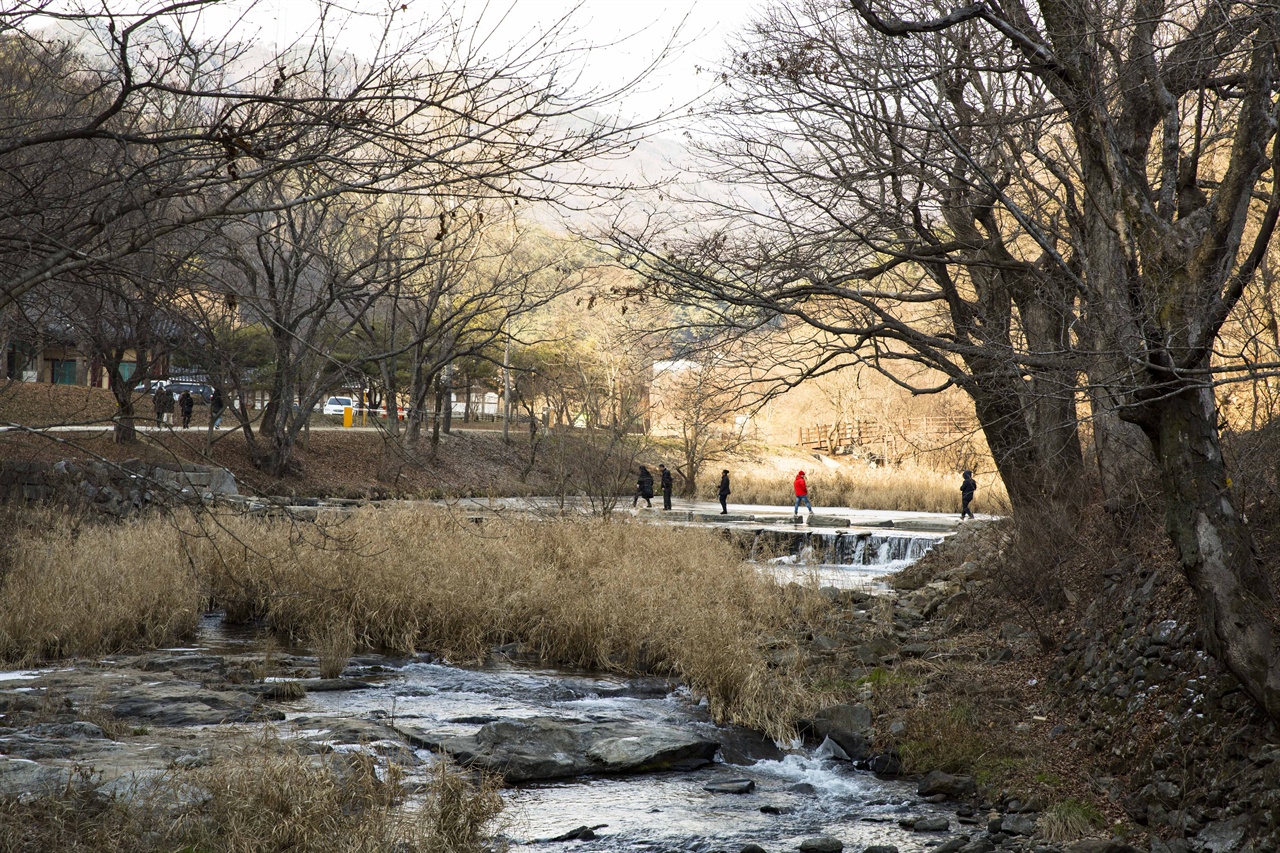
(884, 438)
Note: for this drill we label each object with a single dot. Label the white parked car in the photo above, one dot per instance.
(335, 405)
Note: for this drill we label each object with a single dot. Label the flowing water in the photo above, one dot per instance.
(798, 793)
(840, 558)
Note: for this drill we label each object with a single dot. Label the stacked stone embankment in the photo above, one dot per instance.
(1178, 743)
(1158, 728)
(120, 490)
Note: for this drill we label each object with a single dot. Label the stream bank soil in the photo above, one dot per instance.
(1071, 682)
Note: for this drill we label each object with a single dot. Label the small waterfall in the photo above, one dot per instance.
(830, 557)
(862, 549)
(844, 548)
(879, 549)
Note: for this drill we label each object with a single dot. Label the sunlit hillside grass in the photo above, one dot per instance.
(838, 482)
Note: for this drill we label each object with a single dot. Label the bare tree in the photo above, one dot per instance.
(206, 123)
(1083, 189)
(118, 132)
(867, 223)
(124, 320)
(701, 400)
(586, 355)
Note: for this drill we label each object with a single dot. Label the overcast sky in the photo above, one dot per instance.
(634, 32)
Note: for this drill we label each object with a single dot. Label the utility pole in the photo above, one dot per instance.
(506, 388)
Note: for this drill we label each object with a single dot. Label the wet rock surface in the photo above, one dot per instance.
(546, 748)
(121, 728)
(109, 727)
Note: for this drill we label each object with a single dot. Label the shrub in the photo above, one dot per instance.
(1070, 820)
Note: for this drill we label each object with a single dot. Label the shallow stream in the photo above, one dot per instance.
(797, 795)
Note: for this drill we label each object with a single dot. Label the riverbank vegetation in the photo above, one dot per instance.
(85, 590)
(574, 592)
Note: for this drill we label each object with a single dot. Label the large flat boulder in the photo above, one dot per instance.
(20, 776)
(184, 704)
(548, 748)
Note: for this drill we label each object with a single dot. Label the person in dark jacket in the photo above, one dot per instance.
(667, 484)
(724, 492)
(159, 401)
(186, 405)
(644, 487)
(967, 487)
(216, 406)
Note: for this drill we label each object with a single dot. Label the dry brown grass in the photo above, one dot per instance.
(72, 591)
(264, 795)
(334, 647)
(1070, 820)
(623, 597)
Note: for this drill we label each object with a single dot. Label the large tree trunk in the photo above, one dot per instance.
(1123, 456)
(126, 427)
(1034, 481)
(1238, 606)
(446, 392)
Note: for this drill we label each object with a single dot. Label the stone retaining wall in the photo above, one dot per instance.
(119, 490)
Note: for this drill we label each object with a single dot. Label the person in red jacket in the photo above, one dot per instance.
(802, 494)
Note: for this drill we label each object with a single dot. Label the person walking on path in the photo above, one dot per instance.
(723, 492)
(801, 486)
(644, 487)
(967, 487)
(157, 402)
(667, 483)
(216, 407)
(186, 405)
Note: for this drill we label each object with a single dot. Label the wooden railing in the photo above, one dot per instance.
(877, 436)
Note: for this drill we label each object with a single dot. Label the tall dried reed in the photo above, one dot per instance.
(579, 593)
(71, 590)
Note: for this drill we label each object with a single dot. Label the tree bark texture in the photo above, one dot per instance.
(1239, 612)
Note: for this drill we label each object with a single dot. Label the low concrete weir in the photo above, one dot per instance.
(843, 558)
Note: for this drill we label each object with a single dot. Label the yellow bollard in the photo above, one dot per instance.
(347, 416)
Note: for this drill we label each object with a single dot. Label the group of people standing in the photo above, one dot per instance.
(644, 487)
(164, 402)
